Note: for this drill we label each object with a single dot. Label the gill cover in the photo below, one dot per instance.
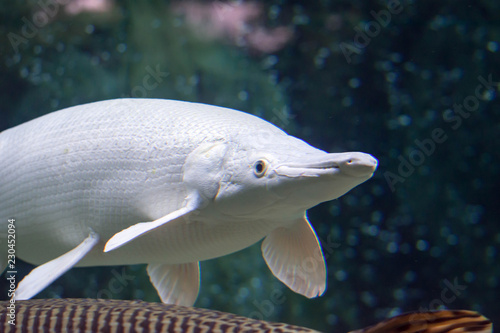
(204, 168)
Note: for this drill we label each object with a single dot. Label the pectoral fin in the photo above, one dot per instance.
(177, 283)
(139, 229)
(294, 256)
(39, 278)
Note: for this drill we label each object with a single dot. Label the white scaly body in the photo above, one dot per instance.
(111, 167)
(75, 178)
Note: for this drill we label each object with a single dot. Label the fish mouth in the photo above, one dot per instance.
(354, 164)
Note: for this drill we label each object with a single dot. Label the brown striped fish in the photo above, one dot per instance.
(99, 315)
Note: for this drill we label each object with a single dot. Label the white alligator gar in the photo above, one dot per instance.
(166, 183)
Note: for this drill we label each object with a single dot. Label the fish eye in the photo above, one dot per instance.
(259, 168)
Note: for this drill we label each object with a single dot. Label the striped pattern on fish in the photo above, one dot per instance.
(91, 315)
(99, 315)
(444, 321)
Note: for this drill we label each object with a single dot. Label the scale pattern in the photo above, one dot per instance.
(100, 315)
(90, 315)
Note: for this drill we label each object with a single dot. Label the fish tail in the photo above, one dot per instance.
(444, 321)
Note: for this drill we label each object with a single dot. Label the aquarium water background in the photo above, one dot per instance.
(414, 83)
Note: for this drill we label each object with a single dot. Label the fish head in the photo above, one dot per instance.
(287, 176)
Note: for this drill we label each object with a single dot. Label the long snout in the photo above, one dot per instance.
(354, 164)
